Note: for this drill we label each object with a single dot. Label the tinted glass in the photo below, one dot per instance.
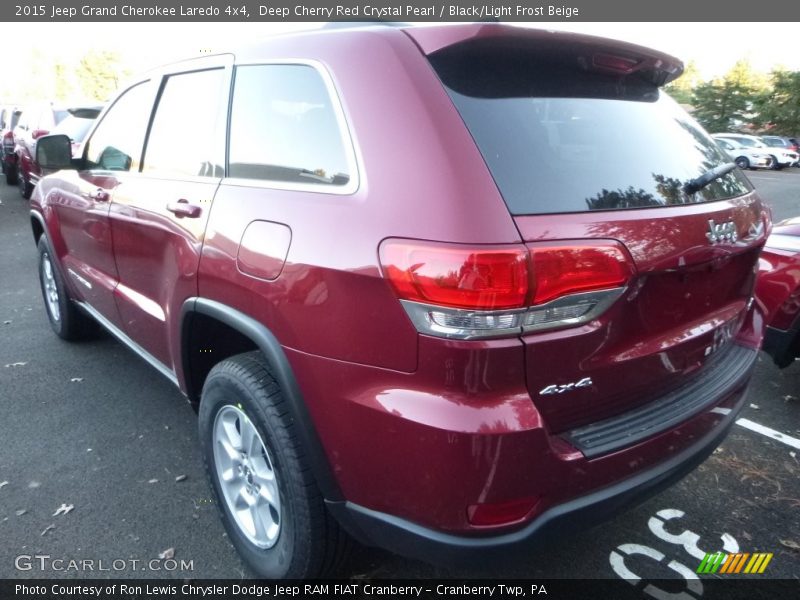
(116, 144)
(58, 116)
(284, 127)
(559, 138)
(74, 127)
(186, 137)
(774, 142)
(727, 145)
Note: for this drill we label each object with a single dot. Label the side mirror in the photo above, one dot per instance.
(54, 152)
(37, 133)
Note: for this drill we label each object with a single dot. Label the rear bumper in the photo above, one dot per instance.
(412, 540)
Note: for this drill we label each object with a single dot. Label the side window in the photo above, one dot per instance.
(187, 136)
(284, 127)
(116, 144)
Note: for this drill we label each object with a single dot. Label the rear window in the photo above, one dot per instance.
(74, 127)
(59, 115)
(774, 142)
(559, 138)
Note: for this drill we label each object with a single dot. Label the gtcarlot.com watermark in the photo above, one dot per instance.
(45, 562)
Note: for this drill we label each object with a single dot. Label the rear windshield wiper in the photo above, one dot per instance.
(695, 185)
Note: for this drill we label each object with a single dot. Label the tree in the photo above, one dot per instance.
(99, 74)
(61, 81)
(681, 89)
(728, 103)
(720, 105)
(779, 107)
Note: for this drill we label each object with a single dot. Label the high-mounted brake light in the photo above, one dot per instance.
(617, 64)
(466, 292)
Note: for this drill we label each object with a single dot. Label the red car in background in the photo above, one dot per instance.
(36, 120)
(9, 117)
(75, 126)
(778, 290)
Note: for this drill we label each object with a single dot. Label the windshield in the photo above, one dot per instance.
(559, 139)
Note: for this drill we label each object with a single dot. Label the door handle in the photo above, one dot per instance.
(182, 208)
(99, 195)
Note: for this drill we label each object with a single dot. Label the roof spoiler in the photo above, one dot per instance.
(591, 52)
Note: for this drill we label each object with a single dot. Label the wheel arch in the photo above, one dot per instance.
(37, 225)
(264, 340)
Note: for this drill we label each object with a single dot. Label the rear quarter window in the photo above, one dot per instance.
(560, 138)
(284, 128)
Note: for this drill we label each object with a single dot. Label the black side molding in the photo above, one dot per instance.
(281, 369)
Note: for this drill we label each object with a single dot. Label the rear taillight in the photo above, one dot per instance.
(484, 278)
(578, 267)
(467, 292)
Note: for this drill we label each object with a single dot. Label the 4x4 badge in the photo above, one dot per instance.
(567, 387)
(724, 232)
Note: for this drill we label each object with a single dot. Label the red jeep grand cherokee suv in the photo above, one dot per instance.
(448, 289)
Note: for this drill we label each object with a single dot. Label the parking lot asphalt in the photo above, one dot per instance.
(92, 427)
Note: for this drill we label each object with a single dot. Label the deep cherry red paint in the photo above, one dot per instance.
(420, 427)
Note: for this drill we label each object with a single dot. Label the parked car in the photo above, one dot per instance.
(744, 157)
(449, 319)
(34, 122)
(778, 289)
(781, 156)
(9, 116)
(75, 126)
(776, 141)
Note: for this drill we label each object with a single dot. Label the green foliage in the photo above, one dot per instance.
(722, 106)
(99, 74)
(779, 106)
(728, 103)
(681, 88)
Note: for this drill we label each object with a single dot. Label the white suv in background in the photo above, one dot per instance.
(781, 157)
(744, 157)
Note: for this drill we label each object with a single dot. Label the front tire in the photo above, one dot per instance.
(776, 166)
(742, 162)
(270, 505)
(66, 320)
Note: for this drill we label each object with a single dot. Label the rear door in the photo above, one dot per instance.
(158, 218)
(588, 152)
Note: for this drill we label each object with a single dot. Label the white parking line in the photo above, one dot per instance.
(762, 429)
(771, 433)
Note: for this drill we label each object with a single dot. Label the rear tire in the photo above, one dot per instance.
(11, 174)
(281, 527)
(25, 188)
(776, 166)
(66, 319)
